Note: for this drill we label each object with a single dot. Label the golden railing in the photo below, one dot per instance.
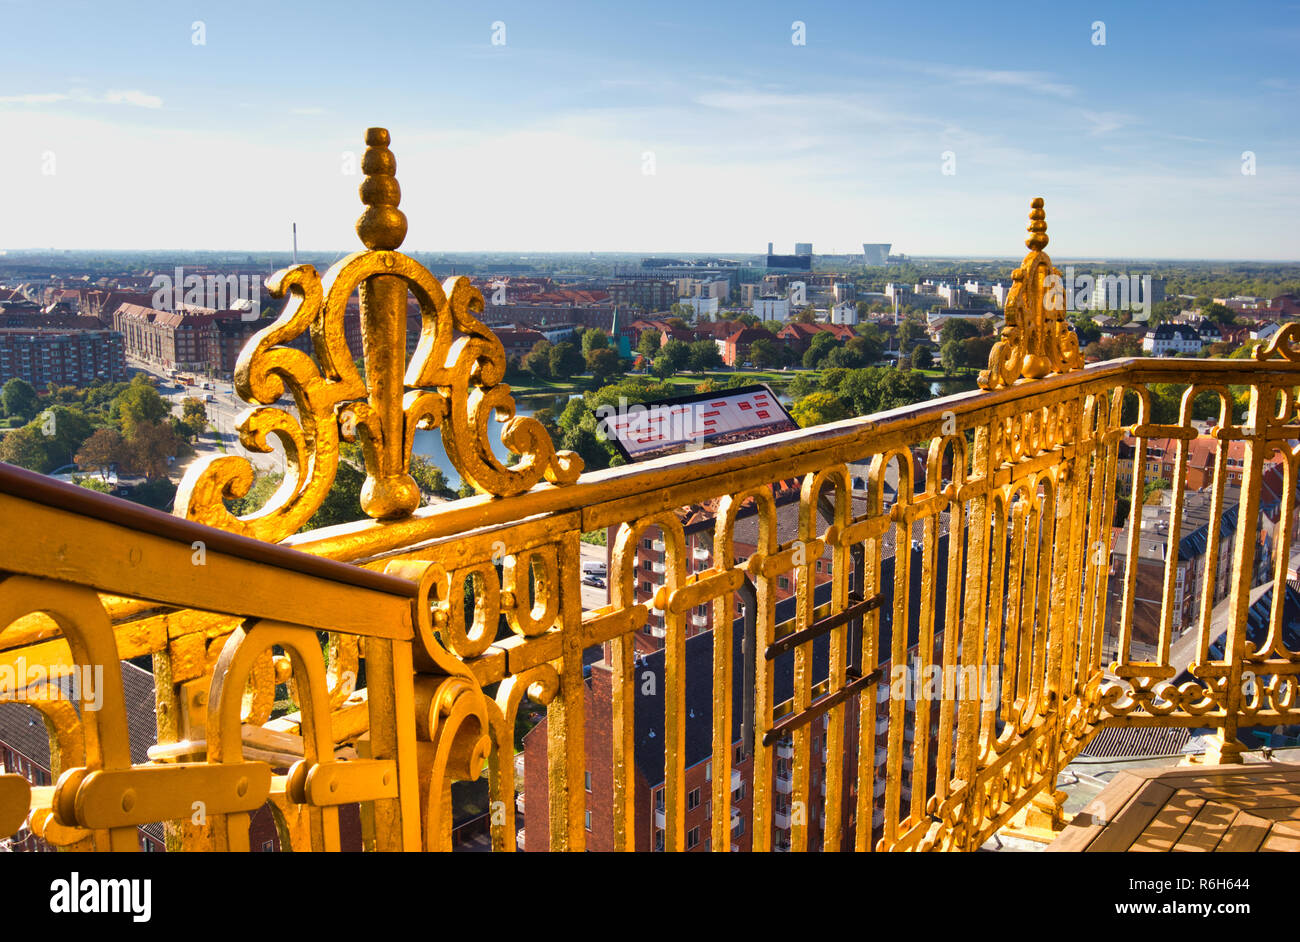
(454, 614)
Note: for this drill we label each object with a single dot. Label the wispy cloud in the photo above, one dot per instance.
(44, 98)
(1104, 122)
(113, 96)
(1004, 78)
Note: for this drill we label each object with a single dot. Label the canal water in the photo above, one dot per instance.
(428, 442)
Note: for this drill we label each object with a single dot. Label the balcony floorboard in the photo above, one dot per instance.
(1249, 807)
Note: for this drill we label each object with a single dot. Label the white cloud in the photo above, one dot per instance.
(132, 97)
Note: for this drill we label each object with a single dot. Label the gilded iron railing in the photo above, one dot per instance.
(970, 535)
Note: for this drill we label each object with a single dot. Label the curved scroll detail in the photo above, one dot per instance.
(1036, 341)
(453, 382)
(266, 369)
(1282, 345)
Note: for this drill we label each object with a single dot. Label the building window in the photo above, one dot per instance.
(268, 847)
(692, 838)
(740, 753)
(587, 777)
(740, 826)
(647, 544)
(587, 816)
(783, 582)
(659, 839)
(740, 792)
(693, 799)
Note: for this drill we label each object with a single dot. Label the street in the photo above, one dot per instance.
(223, 414)
(594, 597)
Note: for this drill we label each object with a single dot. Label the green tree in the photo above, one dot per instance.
(47, 442)
(538, 360)
(957, 328)
(103, 450)
(194, 412)
(704, 356)
(876, 389)
(19, 399)
(677, 353)
(153, 446)
(819, 408)
(594, 339)
(763, 353)
(26, 448)
(923, 358)
(976, 351)
(139, 404)
(430, 478)
(566, 361)
(648, 343)
(1086, 329)
(1150, 487)
(953, 356)
(910, 331)
(603, 364)
(1161, 312)
(820, 347)
(1219, 313)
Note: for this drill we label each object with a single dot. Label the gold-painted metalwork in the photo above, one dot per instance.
(453, 383)
(1036, 341)
(1011, 513)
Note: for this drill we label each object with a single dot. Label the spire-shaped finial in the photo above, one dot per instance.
(1037, 226)
(382, 226)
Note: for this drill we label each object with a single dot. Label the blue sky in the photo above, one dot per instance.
(120, 132)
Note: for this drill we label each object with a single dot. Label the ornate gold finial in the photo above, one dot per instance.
(453, 384)
(1036, 341)
(382, 226)
(1037, 240)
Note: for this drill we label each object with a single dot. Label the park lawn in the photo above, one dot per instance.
(776, 378)
(534, 387)
(771, 377)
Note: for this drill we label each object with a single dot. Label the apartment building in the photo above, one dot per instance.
(66, 358)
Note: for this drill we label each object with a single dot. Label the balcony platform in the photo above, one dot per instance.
(1244, 808)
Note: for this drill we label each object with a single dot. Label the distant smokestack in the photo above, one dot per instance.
(295, 243)
(769, 248)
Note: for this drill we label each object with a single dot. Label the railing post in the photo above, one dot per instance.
(1226, 748)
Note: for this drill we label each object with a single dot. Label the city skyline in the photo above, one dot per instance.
(214, 130)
